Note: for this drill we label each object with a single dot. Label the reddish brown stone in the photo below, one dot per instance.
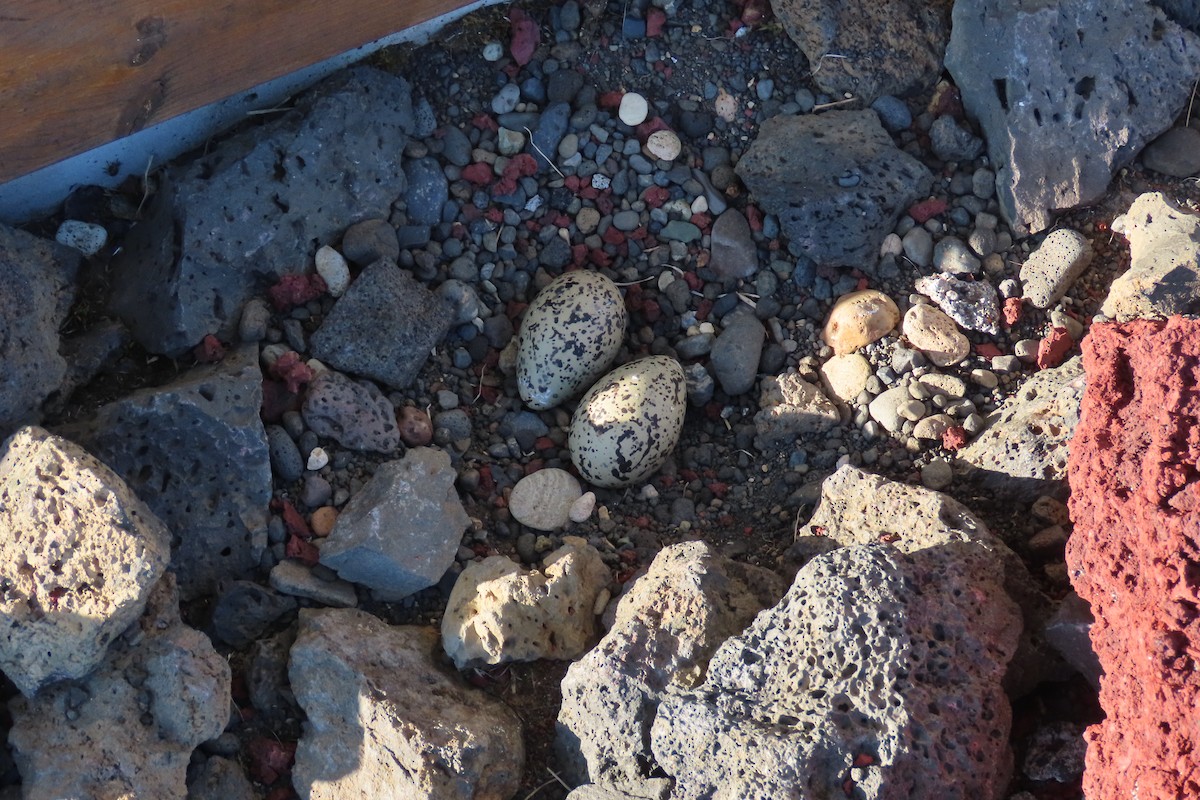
(1135, 554)
(1054, 348)
(1012, 311)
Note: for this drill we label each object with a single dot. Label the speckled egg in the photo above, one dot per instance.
(628, 423)
(571, 333)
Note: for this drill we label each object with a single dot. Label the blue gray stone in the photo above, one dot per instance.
(427, 190)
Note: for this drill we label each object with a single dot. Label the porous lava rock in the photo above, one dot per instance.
(1067, 93)
(1135, 553)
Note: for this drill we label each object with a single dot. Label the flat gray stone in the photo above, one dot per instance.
(196, 452)
(836, 180)
(257, 204)
(400, 532)
(354, 414)
(734, 254)
(79, 555)
(383, 327)
(736, 353)
(383, 719)
(1175, 153)
(290, 577)
(1047, 81)
(36, 290)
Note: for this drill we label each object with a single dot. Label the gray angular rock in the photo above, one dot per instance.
(220, 779)
(1069, 632)
(952, 142)
(1057, 263)
(196, 452)
(354, 414)
(400, 532)
(499, 612)
(1175, 153)
(872, 653)
(1023, 451)
(385, 720)
(892, 47)
(1164, 261)
(652, 789)
(736, 353)
(36, 290)
(370, 240)
(427, 191)
(79, 555)
(836, 181)
(734, 254)
(257, 203)
(1067, 93)
(383, 327)
(129, 728)
(667, 626)
(245, 610)
(791, 407)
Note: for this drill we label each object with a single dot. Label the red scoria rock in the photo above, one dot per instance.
(1053, 348)
(1135, 554)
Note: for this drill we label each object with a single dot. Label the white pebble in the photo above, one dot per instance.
(633, 109)
(317, 458)
(332, 268)
(85, 237)
(582, 508)
(700, 205)
(663, 145)
(649, 492)
(493, 51)
(542, 500)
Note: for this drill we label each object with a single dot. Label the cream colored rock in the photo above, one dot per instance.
(633, 109)
(933, 427)
(845, 377)
(933, 333)
(581, 510)
(543, 499)
(629, 422)
(937, 383)
(859, 318)
(571, 333)
(790, 406)
(663, 145)
(333, 269)
(499, 612)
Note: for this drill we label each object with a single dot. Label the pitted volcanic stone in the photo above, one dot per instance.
(354, 414)
(399, 533)
(383, 327)
(129, 728)
(869, 49)
(972, 304)
(79, 554)
(36, 290)
(902, 655)
(1051, 269)
(667, 626)
(427, 191)
(258, 203)
(196, 452)
(836, 181)
(1047, 81)
(385, 720)
(1164, 271)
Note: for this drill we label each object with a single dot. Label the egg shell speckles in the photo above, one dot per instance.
(628, 423)
(571, 333)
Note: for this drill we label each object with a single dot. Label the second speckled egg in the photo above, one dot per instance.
(628, 423)
(571, 333)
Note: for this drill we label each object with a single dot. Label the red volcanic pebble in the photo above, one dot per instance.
(926, 210)
(1012, 311)
(209, 351)
(1053, 348)
(270, 759)
(525, 36)
(296, 290)
(479, 174)
(987, 350)
(954, 438)
(294, 373)
(656, 20)
(1134, 553)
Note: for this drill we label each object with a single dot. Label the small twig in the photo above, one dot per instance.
(563, 783)
(543, 155)
(1188, 119)
(641, 280)
(273, 110)
(479, 391)
(821, 61)
(834, 104)
(145, 184)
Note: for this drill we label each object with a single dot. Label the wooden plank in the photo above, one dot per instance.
(76, 74)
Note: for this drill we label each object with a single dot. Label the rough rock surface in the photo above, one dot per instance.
(383, 327)
(354, 414)
(884, 48)
(196, 452)
(666, 628)
(836, 180)
(878, 673)
(1164, 270)
(129, 728)
(791, 407)
(257, 204)
(498, 612)
(36, 289)
(1067, 93)
(384, 720)
(1023, 451)
(400, 532)
(79, 554)
(1135, 552)
(1051, 269)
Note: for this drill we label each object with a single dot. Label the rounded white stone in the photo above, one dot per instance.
(334, 270)
(86, 237)
(493, 51)
(633, 109)
(543, 499)
(317, 458)
(581, 509)
(664, 145)
(935, 334)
